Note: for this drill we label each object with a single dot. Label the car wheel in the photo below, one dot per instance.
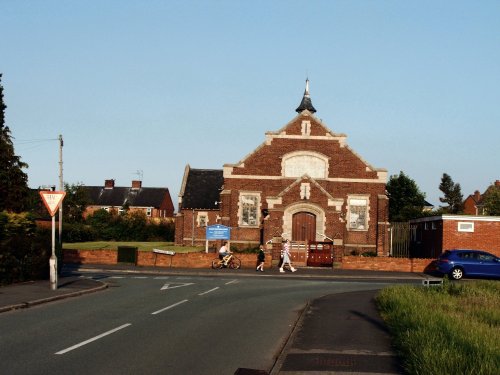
(456, 273)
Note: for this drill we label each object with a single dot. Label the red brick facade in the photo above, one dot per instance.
(303, 183)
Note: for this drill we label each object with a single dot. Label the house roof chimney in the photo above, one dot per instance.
(136, 184)
(497, 183)
(109, 184)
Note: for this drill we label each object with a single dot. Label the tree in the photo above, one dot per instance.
(452, 195)
(406, 201)
(491, 200)
(75, 202)
(14, 190)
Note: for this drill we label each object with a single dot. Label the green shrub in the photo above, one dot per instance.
(24, 249)
(106, 226)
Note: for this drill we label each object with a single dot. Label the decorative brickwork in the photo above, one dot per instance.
(303, 183)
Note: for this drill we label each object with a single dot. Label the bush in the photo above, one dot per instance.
(106, 226)
(24, 249)
(77, 232)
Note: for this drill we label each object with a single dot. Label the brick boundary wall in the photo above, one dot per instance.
(386, 264)
(204, 260)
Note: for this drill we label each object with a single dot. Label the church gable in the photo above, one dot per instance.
(307, 125)
(304, 146)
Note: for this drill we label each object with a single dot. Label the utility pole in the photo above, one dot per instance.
(61, 186)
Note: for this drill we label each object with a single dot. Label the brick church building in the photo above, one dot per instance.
(303, 183)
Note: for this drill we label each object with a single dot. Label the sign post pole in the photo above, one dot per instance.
(52, 200)
(53, 258)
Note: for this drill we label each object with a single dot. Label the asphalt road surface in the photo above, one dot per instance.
(161, 325)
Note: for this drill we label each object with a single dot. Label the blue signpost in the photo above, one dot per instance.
(217, 232)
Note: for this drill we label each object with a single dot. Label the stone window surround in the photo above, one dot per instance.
(303, 207)
(199, 216)
(240, 208)
(367, 221)
(297, 154)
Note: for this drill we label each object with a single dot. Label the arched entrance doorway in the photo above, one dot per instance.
(303, 227)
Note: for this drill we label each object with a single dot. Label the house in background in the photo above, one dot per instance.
(303, 183)
(155, 202)
(428, 207)
(473, 204)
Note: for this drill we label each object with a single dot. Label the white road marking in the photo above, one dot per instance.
(93, 339)
(208, 291)
(161, 277)
(231, 282)
(117, 277)
(139, 277)
(168, 307)
(167, 286)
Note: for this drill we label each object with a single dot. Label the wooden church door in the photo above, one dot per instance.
(304, 227)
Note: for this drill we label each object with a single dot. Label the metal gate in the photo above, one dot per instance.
(320, 254)
(401, 234)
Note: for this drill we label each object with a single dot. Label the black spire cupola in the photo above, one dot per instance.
(306, 101)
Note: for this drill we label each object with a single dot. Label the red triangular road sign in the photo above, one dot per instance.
(52, 200)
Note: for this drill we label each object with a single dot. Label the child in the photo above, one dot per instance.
(261, 256)
(286, 257)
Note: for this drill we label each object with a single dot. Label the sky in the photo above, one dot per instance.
(139, 89)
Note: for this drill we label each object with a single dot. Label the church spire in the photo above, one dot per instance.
(306, 101)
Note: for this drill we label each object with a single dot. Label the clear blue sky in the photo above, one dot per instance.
(155, 85)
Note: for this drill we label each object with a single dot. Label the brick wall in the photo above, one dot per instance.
(486, 236)
(385, 264)
(204, 260)
(104, 256)
(147, 258)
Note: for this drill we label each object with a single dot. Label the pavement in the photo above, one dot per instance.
(336, 334)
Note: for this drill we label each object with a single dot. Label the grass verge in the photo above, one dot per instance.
(453, 329)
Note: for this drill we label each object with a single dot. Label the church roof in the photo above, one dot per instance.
(306, 101)
(202, 189)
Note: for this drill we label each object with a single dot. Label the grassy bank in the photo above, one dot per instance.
(454, 329)
(142, 246)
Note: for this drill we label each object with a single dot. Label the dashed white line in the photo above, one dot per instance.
(231, 282)
(208, 291)
(169, 307)
(92, 339)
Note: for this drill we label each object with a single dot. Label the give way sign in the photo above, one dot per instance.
(52, 200)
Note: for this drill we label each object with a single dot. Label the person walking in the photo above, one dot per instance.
(261, 256)
(286, 257)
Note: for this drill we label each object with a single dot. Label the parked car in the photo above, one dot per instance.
(459, 263)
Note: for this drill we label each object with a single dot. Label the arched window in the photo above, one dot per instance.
(299, 163)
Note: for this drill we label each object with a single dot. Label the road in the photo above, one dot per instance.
(162, 325)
